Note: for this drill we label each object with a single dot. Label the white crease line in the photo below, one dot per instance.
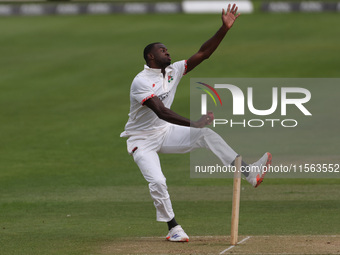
(229, 248)
(245, 239)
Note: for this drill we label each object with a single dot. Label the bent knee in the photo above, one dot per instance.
(159, 182)
(207, 131)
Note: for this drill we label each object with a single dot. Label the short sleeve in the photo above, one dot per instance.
(180, 67)
(141, 90)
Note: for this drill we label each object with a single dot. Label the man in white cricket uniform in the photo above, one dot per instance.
(153, 128)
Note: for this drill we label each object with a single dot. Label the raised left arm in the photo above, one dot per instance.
(228, 19)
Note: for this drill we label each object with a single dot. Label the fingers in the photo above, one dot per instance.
(209, 118)
(205, 120)
(208, 121)
(233, 9)
(228, 10)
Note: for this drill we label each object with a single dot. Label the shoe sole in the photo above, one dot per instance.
(183, 240)
(268, 163)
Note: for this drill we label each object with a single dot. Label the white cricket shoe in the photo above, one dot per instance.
(258, 170)
(177, 234)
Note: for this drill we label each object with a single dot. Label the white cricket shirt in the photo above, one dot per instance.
(149, 83)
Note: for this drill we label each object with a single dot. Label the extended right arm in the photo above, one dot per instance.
(228, 19)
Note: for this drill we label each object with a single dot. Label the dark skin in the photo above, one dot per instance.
(159, 58)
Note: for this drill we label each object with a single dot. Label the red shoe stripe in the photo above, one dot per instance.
(268, 163)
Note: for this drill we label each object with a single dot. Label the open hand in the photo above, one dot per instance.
(229, 17)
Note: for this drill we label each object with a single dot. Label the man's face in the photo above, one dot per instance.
(161, 55)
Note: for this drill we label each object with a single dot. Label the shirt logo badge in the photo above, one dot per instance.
(153, 85)
(170, 78)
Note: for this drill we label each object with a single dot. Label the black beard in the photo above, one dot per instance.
(164, 64)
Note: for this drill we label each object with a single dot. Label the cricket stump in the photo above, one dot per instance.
(236, 201)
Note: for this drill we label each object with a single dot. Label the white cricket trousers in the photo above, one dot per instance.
(175, 139)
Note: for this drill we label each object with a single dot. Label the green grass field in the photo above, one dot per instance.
(67, 184)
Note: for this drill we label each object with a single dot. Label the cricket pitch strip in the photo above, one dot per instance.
(306, 244)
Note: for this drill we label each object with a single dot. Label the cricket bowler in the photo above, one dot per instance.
(154, 128)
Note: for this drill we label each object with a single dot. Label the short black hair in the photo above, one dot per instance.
(148, 49)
